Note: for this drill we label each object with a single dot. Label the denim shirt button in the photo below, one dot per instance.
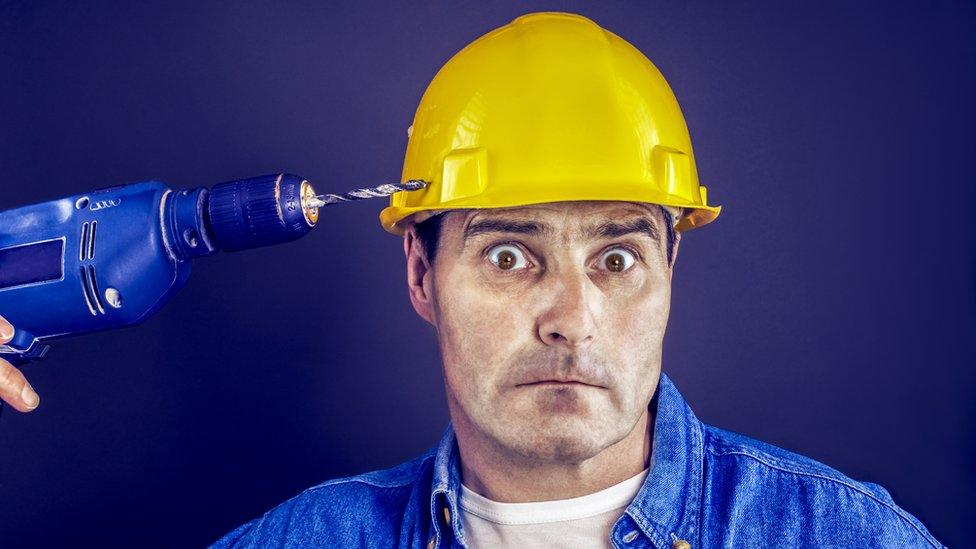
(630, 536)
(447, 516)
(431, 543)
(680, 544)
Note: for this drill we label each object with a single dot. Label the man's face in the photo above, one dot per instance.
(550, 320)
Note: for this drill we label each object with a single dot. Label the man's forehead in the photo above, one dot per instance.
(561, 216)
(562, 220)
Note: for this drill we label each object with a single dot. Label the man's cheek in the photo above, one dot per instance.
(475, 345)
(487, 316)
(647, 315)
(629, 323)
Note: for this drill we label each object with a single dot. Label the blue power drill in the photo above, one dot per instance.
(113, 257)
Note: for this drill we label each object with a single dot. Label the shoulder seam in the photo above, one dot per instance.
(841, 481)
(360, 479)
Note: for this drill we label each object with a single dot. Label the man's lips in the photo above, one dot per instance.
(558, 382)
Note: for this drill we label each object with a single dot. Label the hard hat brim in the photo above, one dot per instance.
(395, 219)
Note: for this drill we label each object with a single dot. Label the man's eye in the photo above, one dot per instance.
(616, 260)
(507, 257)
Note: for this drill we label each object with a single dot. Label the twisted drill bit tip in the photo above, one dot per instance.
(327, 199)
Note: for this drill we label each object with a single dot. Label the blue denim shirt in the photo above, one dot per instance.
(708, 486)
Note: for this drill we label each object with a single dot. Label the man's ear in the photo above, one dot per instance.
(674, 254)
(419, 275)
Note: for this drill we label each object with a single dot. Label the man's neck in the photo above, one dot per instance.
(497, 476)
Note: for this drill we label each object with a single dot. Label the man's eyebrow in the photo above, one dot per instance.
(482, 226)
(614, 229)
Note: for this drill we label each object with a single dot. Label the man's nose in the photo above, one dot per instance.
(570, 318)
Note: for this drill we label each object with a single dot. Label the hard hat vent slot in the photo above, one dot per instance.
(465, 173)
(672, 171)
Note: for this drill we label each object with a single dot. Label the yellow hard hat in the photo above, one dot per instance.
(548, 108)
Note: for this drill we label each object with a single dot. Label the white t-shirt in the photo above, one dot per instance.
(585, 521)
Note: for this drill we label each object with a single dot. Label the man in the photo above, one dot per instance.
(542, 252)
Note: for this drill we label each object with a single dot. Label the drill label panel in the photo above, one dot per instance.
(33, 263)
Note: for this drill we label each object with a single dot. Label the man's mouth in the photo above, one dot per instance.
(558, 383)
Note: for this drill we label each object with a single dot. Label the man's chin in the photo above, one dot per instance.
(553, 438)
(561, 448)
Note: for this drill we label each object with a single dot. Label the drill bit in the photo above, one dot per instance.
(327, 199)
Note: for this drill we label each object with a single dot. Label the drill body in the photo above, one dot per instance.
(113, 257)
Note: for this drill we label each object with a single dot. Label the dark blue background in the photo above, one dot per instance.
(829, 310)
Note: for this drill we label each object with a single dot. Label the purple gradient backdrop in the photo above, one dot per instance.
(829, 310)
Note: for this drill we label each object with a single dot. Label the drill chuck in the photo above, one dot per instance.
(250, 213)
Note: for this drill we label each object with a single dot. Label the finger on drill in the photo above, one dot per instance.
(15, 390)
(6, 330)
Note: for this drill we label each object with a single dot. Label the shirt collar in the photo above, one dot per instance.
(668, 502)
(667, 505)
(446, 484)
